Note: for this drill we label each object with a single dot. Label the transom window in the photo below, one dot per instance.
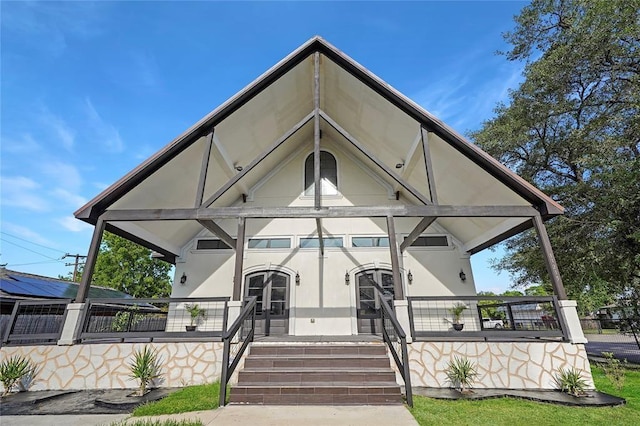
(269, 243)
(315, 242)
(431, 241)
(370, 241)
(211, 244)
(328, 175)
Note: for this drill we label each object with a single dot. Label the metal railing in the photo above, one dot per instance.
(395, 338)
(236, 340)
(35, 321)
(486, 318)
(153, 319)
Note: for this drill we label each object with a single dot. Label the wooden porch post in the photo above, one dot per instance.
(90, 264)
(549, 258)
(237, 278)
(395, 263)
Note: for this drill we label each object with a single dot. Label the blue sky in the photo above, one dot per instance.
(90, 90)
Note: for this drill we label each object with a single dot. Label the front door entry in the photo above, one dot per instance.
(272, 308)
(368, 312)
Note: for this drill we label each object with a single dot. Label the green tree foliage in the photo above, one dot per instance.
(573, 129)
(129, 267)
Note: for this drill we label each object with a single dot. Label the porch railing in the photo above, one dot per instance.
(35, 321)
(486, 318)
(395, 338)
(236, 340)
(152, 319)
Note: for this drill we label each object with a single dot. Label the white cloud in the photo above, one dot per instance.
(23, 144)
(59, 128)
(26, 233)
(63, 174)
(22, 192)
(68, 197)
(72, 224)
(104, 132)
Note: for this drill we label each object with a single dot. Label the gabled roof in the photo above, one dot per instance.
(368, 108)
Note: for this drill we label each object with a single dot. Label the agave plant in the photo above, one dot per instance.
(461, 373)
(13, 369)
(145, 367)
(570, 380)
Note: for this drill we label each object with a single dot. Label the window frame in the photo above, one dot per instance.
(299, 245)
(311, 194)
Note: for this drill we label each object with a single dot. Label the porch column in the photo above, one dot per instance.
(395, 263)
(237, 277)
(87, 273)
(549, 258)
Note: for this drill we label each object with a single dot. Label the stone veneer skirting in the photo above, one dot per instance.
(105, 366)
(500, 365)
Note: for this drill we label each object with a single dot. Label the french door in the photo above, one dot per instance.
(271, 289)
(368, 305)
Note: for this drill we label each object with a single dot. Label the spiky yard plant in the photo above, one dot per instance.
(461, 373)
(570, 380)
(13, 369)
(145, 367)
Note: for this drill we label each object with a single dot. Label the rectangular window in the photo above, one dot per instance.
(370, 241)
(315, 242)
(212, 245)
(431, 241)
(272, 243)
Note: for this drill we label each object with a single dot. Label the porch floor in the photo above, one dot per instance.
(361, 338)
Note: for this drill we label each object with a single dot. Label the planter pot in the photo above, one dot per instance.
(458, 327)
(190, 327)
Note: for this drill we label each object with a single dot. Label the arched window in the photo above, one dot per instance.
(328, 174)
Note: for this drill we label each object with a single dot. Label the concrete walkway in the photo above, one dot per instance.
(275, 415)
(267, 415)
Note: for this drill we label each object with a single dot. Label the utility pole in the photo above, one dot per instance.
(74, 264)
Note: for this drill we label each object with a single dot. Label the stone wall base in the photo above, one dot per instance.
(106, 366)
(500, 365)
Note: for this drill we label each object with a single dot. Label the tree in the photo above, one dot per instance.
(129, 267)
(573, 129)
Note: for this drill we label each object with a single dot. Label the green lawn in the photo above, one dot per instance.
(510, 411)
(192, 398)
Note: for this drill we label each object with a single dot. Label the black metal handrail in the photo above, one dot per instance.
(35, 321)
(516, 317)
(393, 334)
(153, 319)
(239, 335)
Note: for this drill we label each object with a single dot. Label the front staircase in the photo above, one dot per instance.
(317, 373)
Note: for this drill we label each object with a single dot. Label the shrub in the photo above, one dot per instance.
(145, 367)
(570, 380)
(461, 373)
(614, 370)
(13, 370)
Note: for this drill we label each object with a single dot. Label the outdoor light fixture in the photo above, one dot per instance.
(346, 278)
(400, 165)
(463, 276)
(297, 278)
(183, 278)
(410, 276)
(238, 168)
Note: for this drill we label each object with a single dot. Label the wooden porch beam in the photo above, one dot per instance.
(311, 212)
(223, 157)
(216, 230)
(428, 165)
(90, 264)
(203, 169)
(549, 258)
(320, 239)
(404, 184)
(237, 277)
(395, 262)
(419, 229)
(316, 131)
(257, 160)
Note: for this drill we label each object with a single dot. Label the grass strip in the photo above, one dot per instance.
(192, 398)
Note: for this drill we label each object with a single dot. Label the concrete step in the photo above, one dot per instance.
(316, 361)
(319, 349)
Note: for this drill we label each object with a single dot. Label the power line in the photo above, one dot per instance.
(31, 263)
(30, 242)
(32, 251)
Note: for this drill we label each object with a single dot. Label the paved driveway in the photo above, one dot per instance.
(622, 346)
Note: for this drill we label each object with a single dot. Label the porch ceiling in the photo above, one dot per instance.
(389, 128)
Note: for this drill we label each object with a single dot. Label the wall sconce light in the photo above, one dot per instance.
(297, 278)
(463, 276)
(410, 276)
(183, 278)
(346, 278)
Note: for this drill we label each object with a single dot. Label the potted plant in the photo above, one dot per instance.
(456, 311)
(197, 313)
